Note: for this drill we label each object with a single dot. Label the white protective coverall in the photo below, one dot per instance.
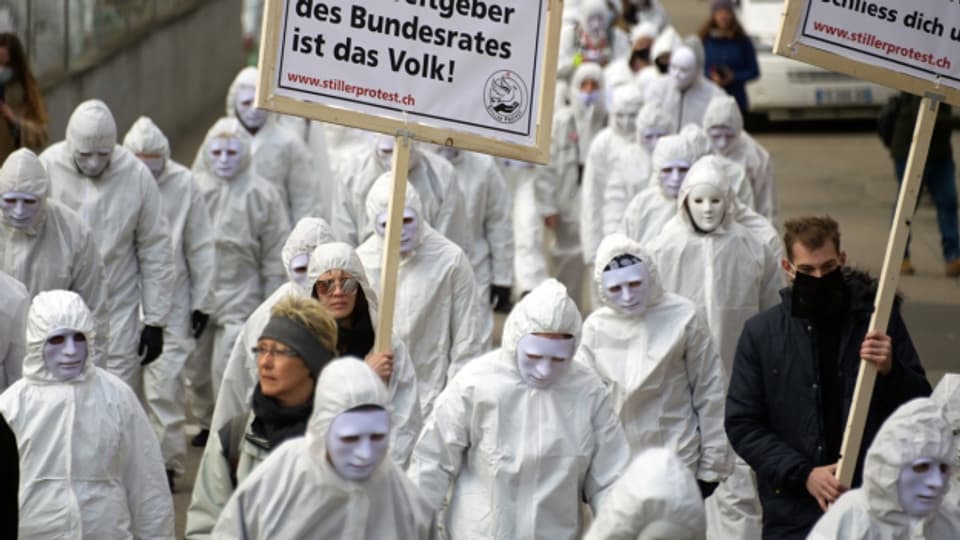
(13, 322)
(436, 313)
(698, 139)
(918, 429)
(90, 465)
(191, 239)
(665, 377)
(743, 149)
(124, 210)
(57, 250)
(610, 145)
(521, 460)
(631, 173)
(279, 156)
(655, 499)
(652, 208)
(250, 225)
(602, 46)
(314, 134)
(297, 493)
(947, 395)
(434, 178)
(590, 115)
(686, 105)
(240, 375)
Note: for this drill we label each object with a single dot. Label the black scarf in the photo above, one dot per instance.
(276, 423)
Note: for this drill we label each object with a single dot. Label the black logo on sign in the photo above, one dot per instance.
(505, 96)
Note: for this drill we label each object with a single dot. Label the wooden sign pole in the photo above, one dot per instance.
(391, 244)
(889, 276)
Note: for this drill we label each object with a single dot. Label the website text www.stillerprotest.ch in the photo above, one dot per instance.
(343, 87)
(891, 49)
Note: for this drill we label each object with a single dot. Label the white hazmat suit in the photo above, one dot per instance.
(665, 377)
(589, 107)
(90, 466)
(124, 210)
(655, 499)
(191, 240)
(702, 146)
(947, 395)
(436, 312)
(876, 511)
(57, 250)
(13, 321)
(593, 38)
(297, 493)
(685, 92)
(521, 460)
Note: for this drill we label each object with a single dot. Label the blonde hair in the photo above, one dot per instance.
(311, 314)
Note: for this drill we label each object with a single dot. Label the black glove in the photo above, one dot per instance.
(500, 299)
(151, 343)
(707, 488)
(198, 321)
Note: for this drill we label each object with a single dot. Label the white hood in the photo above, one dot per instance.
(52, 311)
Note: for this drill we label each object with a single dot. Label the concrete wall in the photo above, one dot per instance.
(176, 74)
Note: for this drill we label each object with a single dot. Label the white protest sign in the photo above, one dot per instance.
(913, 46)
(460, 70)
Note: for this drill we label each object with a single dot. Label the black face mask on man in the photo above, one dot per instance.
(818, 298)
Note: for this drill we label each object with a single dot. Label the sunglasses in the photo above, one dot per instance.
(328, 286)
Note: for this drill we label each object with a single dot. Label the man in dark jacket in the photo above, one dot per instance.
(794, 375)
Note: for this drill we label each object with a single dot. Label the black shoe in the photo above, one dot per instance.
(200, 439)
(170, 478)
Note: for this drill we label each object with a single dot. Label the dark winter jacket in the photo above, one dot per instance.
(906, 120)
(773, 412)
(737, 55)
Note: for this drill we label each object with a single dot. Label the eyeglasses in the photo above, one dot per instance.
(261, 352)
(328, 286)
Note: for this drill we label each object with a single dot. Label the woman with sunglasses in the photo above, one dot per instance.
(294, 346)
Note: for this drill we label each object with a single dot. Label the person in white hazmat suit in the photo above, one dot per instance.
(655, 499)
(947, 395)
(335, 481)
(488, 216)
(611, 144)
(631, 172)
(523, 435)
(625, 70)
(594, 38)
(13, 324)
(588, 100)
(314, 135)
(277, 154)
(654, 352)
(705, 255)
(90, 465)
(434, 178)
(45, 245)
(656, 205)
(906, 475)
(723, 123)
(685, 93)
(702, 146)
(437, 313)
(249, 224)
(116, 195)
(193, 296)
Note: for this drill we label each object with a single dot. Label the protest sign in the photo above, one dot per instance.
(912, 46)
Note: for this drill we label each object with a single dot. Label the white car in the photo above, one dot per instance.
(788, 89)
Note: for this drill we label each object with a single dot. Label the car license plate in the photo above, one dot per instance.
(844, 96)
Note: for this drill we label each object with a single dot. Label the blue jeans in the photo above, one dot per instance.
(940, 178)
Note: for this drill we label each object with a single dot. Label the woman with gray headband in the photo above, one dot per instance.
(294, 346)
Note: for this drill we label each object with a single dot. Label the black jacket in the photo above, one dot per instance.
(773, 412)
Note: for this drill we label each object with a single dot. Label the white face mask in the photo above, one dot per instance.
(683, 68)
(385, 154)
(409, 234)
(650, 136)
(251, 117)
(625, 123)
(597, 26)
(19, 209)
(298, 269)
(922, 485)
(154, 163)
(628, 288)
(92, 162)
(588, 98)
(357, 442)
(671, 176)
(65, 354)
(543, 361)
(721, 137)
(707, 207)
(226, 156)
(448, 152)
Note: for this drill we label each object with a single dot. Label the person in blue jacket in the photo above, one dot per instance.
(730, 59)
